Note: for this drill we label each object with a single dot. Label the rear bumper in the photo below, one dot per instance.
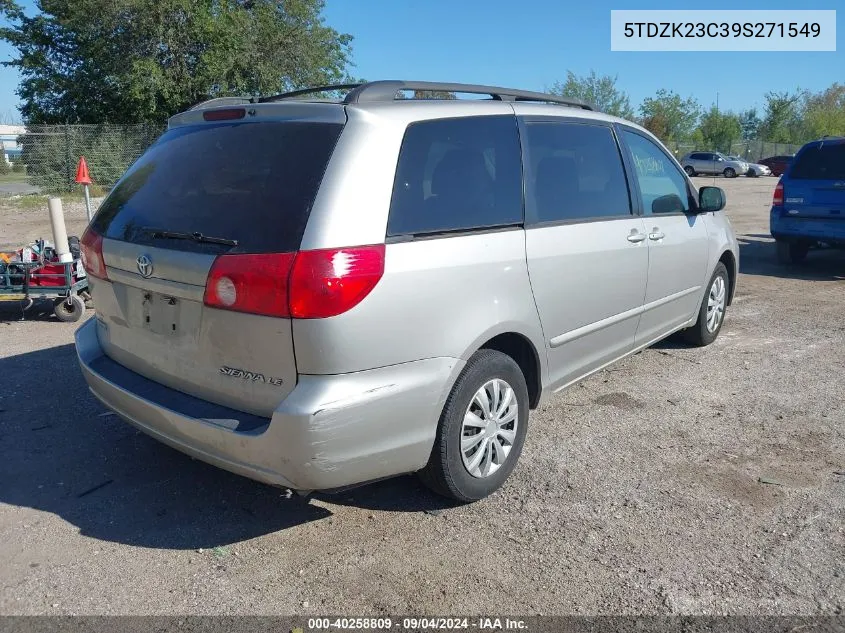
(787, 228)
(329, 432)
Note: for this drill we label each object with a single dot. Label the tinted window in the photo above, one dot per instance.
(820, 162)
(251, 182)
(575, 172)
(699, 157)
(457, 174)
(662, 186)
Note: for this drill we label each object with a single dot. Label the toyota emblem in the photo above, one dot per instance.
(145, 266)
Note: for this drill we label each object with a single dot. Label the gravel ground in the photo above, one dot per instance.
(694, 481)
(22, 224)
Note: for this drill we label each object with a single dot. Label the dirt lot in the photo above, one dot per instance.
(640, 490)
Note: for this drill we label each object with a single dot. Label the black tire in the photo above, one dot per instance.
(791, 252)
(751, 173)
(698, 335)
(445, 472)
(690, 171)
(69, 313)
(729, 172)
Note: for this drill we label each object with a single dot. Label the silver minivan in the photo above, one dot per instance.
(322, 293)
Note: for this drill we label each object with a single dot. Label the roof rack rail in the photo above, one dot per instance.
(375, 91)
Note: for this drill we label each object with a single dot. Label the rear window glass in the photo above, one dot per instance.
(457, 174)
(820, 162)
(250, 182)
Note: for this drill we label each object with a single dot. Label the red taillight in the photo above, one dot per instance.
(304, 285)
(91, 249)
(228, 114)
(325, 283)
(250, 283)
(777, 198)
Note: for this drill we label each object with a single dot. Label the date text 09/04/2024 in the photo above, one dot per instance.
(417, 624)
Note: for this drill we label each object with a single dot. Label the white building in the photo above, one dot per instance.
(9, 141)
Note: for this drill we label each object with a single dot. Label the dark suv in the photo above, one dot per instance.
(808, 208)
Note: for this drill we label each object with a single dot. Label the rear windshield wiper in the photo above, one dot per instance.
(196, 237)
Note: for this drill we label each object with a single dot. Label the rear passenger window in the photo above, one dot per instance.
(457, 174)
(820, 162)
(575, 173)
(662, 185)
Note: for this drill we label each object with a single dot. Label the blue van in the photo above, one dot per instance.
(808, 208)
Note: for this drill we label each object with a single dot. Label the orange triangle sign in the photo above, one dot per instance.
(82, 176)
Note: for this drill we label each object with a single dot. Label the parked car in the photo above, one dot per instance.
(777, 164)
(713, 163)
(754, 169)
(808, 207)
(321, 294)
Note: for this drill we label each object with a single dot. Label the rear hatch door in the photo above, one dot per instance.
(815, 184)
(203, 190)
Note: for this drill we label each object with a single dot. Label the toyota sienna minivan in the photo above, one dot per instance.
(321, 293)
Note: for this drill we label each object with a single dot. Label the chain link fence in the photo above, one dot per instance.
(753, 151)
(44, 157)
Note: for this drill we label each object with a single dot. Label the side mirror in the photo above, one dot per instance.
(711, 199)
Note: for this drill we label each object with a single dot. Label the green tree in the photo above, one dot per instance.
(433, 94)
(598, 91)
(824, 113)
(669, 117)
(750, 122)
(126, 61)
(782, 121)
(719, 129)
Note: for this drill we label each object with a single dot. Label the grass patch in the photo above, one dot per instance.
(31, 201)
(39, 201)
(13, 177)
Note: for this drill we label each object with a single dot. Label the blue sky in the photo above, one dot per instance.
(531, 43)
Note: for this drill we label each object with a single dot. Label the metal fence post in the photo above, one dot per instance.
(68, 160)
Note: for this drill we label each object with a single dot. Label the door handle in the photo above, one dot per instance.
(636, 237)
(656, 235)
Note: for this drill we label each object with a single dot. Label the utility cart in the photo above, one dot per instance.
(35, 272)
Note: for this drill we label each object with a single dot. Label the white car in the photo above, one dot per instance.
(754, 169)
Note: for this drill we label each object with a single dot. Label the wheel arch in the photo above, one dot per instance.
(514, 341)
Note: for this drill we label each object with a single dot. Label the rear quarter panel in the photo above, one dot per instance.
(441, 297)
